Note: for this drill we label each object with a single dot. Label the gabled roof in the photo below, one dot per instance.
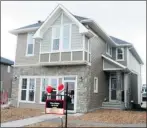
(6, 61)
(119, 41)
(79, 18)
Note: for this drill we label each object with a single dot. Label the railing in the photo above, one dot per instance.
(4, 97)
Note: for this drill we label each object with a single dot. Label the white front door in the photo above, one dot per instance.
(112, 89)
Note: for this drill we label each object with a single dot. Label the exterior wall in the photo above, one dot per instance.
(125, 56)
(6, 78)
(83, 86)
(21, 57)
(96, 70)
(134, 65)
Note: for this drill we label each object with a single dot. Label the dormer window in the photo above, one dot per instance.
(120, 54)
(108, 49)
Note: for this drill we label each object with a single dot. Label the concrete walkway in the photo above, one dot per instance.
(28, 121)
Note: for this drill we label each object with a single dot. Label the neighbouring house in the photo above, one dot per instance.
(6, 75)
(101, 70)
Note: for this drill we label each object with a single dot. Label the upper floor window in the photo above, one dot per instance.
(61, 37)
(120, 53)
(108, 49)
(66, 37)
(56, 38)
(30, 45)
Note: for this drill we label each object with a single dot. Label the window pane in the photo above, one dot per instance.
(44, 96)
(56, 32)
(54, 83)
(66, 43)
(30, 48)
(56, 44)
(32, 84)
(23, 95)
(24, 83)
(44, 84)
(119, 56)
(119, 50)
(66, 31)
(31, 95)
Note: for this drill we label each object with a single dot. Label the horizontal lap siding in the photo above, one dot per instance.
(46, 42)
(76, 38)
(21, 57)
(44, 57)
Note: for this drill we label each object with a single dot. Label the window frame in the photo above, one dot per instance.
(27, 90)
(109, 52)
(119, 53)
(52, 40)
(95, 87)
(33, 43)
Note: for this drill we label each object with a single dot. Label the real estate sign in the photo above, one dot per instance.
(54, 106)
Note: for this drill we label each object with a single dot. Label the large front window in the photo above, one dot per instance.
(61, 38)
(28, 89)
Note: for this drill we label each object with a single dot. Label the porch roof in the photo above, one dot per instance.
(110, 64)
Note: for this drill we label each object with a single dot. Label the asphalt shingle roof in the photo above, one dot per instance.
(79, 18)
(119, 41)
(6, 61)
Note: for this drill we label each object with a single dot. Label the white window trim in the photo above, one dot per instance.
(27, 46)
(27, 90)
(122, 55)
(9, 69)
(107, 45)
(95, 90)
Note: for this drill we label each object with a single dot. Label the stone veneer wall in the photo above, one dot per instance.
(82, 86)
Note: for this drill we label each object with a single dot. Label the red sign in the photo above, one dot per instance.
(49, 89)
(60, 87)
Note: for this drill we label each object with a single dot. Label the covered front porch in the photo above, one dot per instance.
(116, 75)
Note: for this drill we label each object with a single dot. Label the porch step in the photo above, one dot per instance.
(112, 105)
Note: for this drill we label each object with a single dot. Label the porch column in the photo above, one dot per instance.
(119, 85)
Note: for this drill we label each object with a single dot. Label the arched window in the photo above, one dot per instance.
(120, 53)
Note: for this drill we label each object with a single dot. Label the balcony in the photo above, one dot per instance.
(76, 57)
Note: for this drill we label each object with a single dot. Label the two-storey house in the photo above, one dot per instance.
(100, 70)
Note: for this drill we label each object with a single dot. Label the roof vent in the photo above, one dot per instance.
(39, 21)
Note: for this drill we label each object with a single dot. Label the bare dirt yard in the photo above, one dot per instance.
(12, 113)
(115, 116)
(104, 116)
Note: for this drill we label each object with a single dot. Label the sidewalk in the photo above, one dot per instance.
(28, 121)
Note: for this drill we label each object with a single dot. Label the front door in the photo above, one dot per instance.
(113, 91)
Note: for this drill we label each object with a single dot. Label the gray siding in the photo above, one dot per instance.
(21, 57)
(57, 21)
(66, 19)
(6, 78)
(76, 38)
(46, 42)
(96, 70)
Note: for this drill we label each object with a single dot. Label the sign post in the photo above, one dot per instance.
(54, 106)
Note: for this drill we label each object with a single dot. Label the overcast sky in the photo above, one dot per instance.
(122, 19)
